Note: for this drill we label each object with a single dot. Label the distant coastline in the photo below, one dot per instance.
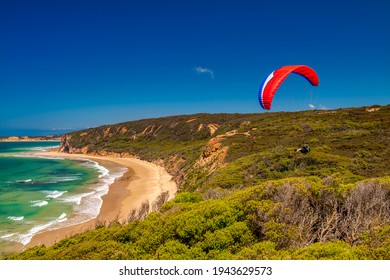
(29, 138)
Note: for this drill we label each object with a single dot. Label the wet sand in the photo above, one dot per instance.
(142, 182)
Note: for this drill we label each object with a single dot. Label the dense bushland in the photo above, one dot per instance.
(297, 218)
(244, 191)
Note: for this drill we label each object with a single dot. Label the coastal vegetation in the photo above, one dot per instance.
(244, 191)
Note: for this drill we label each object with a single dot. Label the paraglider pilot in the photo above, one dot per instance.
(305, 149)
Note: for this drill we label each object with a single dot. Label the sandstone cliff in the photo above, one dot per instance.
(194, 148)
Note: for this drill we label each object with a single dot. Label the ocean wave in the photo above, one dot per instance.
(27, 155)
(6, 236)
(39, 203)
(76, 198)
(87, 205)
(15, 218)
(24, 181)
(54, 194)
(90, 203)
(25, 238)
(62, 218)
(43, 149)
(101, 169)
(55, 180)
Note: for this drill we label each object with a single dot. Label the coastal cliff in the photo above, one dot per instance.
(245, 190)
(178, 143)
(193, 148)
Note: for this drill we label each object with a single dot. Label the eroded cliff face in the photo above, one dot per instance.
(210, 159)
(188, 147)
(161, 141)
(213, 156)
(174, 164)
(65, 146)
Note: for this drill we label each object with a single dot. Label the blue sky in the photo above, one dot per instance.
(78, 64)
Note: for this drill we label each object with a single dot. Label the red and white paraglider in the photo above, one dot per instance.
(274, 80)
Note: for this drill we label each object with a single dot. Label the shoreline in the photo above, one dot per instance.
(143, 181)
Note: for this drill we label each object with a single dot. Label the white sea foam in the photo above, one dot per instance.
(76, 198)
(6, 236)
(101, 169)
(62, 218)
(87, 205)
(29, 152)
(91, 202)
(43, 149)
(24, 181)
(26, 237)
(27, 155)
(15, 218)
(53, 194)
(39, 203)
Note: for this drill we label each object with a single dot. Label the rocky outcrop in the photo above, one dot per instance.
(214, 153)
(65, 146)
(112, 154)
(174, 166)
(370, 110)
(213, 128)
(213, 156)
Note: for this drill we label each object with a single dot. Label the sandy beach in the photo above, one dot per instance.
(142, 182)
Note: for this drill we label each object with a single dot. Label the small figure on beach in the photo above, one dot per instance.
(304, 150)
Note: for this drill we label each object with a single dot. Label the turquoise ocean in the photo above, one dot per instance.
(42, 193)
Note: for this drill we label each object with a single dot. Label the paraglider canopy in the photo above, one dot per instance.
(274, 80)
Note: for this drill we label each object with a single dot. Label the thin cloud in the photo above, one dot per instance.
(202, 70)
(311, 106)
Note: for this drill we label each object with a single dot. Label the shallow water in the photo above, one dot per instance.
(40, 193)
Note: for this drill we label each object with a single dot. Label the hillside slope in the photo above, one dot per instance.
(244, 191)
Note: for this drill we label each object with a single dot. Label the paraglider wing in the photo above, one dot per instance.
(274, 80)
